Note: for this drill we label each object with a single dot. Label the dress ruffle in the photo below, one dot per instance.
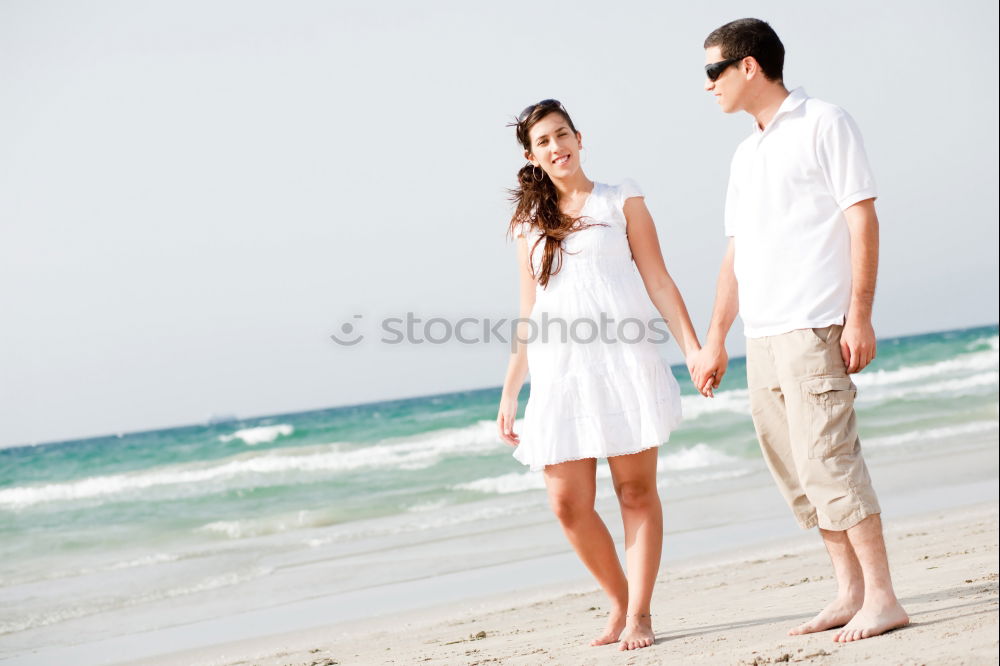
(639, 406)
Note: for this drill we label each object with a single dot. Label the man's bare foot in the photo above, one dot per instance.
(872, 622)
(837, 614)
(638, 633)
(616, 623)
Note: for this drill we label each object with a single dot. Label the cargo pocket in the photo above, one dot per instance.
(831, 419)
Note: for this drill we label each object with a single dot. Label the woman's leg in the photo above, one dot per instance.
(572, 488)
(634, 478)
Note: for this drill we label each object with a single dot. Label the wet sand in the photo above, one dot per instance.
(732, 609)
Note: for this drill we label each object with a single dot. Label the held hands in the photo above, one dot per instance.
(505, 421)
(857, 344)
(693, 369)
(707, 368)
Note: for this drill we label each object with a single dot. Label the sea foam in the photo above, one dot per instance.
(259, 434)
(257, 469)
(699, 456)
(943, 432)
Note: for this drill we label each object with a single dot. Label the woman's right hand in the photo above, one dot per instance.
(505, 421)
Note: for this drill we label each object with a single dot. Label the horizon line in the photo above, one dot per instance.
(202, 424)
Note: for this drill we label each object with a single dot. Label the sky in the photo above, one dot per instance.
(195, 195)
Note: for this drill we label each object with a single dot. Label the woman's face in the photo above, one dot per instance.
(554, 146)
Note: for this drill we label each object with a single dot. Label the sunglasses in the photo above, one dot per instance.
(554, 103)
(715, 70)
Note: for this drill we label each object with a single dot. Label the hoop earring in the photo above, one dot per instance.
(535, 169)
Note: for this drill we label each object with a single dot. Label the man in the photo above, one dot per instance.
(800, 269)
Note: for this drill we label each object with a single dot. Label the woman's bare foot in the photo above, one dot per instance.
(638, 633)
(837, 614)
(872, 622)
(616, 622)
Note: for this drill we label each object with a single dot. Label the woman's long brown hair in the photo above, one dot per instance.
(537, 201)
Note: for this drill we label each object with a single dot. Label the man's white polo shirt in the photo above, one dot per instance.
(788, 188)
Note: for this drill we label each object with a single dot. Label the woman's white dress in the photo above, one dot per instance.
(595, 395)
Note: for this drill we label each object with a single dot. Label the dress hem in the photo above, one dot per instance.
(532, 465)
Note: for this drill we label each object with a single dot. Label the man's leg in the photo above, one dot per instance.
(881, 610)
(778, 417)
(850, 586)
(820, 400)
(770, 421)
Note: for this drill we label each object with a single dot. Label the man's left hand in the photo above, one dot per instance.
(857, 344)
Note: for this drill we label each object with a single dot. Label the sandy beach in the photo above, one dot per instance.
(421, 542)
(732, 609)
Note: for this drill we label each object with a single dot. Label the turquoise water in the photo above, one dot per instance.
(151, 507)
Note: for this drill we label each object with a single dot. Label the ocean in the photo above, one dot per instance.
(140, 531)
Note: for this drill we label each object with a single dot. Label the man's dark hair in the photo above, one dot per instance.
(750, 37)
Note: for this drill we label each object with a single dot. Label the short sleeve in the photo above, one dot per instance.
(628, 189)
(841, 154)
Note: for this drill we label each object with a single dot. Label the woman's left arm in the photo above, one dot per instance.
(662, 290)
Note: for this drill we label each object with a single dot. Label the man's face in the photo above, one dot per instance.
(730, 87)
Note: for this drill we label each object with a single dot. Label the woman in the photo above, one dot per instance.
(579, 245)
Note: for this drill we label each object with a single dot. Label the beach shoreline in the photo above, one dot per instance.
(701, 530)
(305, 532)
(736, 607)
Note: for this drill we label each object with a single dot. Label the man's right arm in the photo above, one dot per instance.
(713, 358)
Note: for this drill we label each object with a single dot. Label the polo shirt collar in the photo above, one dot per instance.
(791, 102)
